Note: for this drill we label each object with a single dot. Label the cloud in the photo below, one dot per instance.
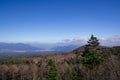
(110, 41)
(75, 41)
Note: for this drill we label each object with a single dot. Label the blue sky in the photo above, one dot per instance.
(56, 20)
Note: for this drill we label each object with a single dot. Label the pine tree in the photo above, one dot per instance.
(93, 42)
(76, 73)
(91, 56)
(52, 71)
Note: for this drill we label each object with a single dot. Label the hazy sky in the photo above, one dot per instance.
(55, 20)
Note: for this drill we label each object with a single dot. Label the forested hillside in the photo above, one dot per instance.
(89, 62)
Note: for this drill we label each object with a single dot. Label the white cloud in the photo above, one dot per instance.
(75, 41)
(110, 41)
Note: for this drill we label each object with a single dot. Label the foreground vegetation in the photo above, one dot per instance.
(92, 63)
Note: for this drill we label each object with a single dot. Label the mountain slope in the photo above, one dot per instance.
(68, 66)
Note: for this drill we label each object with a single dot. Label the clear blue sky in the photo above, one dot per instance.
(55, 20)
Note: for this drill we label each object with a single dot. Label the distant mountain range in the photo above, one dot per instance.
(22, 47)
(16, 49)
(63, 48)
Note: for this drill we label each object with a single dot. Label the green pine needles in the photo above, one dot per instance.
(92, 56)
(52, 71)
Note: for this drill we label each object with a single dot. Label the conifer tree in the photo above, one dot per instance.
(91, 56)
(52, 71)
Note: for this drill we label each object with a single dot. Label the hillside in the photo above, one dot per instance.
(65, 67)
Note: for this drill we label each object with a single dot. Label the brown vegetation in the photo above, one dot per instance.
(69, 66)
